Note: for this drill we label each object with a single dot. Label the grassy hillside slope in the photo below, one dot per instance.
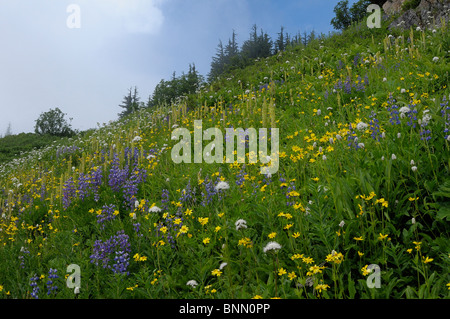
(363, 180)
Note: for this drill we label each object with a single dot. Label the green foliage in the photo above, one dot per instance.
(167, 92)
(410, 4)
(53, 123)
(130, 103)
(345, 16)
(12, 146)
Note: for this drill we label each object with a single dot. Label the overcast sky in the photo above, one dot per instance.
(47, 60)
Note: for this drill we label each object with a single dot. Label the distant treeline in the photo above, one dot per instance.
(227, 58)
(259, 45)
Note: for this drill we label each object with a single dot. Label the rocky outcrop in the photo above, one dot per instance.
(391, 7)
(429, 14)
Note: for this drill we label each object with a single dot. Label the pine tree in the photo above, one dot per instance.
(258, 46)
(8, 130)
(231, 52)
(280, 43)
(218, 62)
(130, 103)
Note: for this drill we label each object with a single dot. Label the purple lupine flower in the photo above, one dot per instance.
(393, 109)
(66, 150)
(51, 287)
(117, 246)
(106, 215)
(83, 185)
(131, 185)
(360, 87)
(348, 85)
(188, 194)
(356, 59)
(241, 176)
(121, 264)
(339, 85)
(352, 138)
(23, 250)
(374, 126)
(165, 199)
(137, 227)
(412, 118)
(117, 176)
(96, 181)
(33, 284)
(69, 192)
(210, 189)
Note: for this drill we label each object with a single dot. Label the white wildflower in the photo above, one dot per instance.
(192, 283)
(137, 139)
(240, 223)
(154, 209)
(413, 221)
(403, 110)
(341, 224)
(414, 168)
(222, 185)
(361, 126)
(222, 265)
(272, 245)
(426, 119)
(393, 157)
(435, 59)
(412, 162)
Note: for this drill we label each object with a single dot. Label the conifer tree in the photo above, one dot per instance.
(130, 103)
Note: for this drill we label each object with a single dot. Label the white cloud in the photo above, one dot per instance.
(133, 16)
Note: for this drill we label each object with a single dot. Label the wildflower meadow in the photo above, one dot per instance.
(357, 208)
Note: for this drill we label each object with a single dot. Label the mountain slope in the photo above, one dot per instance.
(362, 180)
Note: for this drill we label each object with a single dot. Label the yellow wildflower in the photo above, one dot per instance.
(281, 271)
(216, 272)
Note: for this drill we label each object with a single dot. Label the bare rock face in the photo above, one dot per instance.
(391, 7)
(428, 14)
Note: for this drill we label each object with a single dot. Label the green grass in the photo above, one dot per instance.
(335, 206)
(13, 146)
